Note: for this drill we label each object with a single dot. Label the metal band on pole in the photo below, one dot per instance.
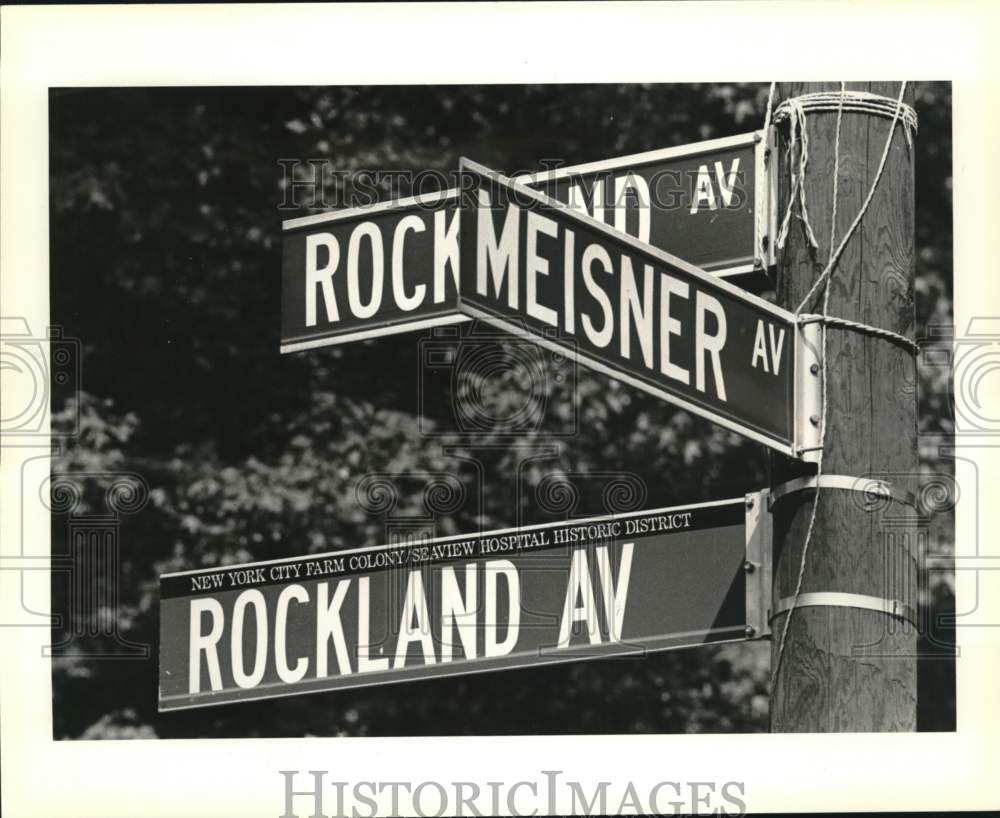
(839, 599)
(864, 485)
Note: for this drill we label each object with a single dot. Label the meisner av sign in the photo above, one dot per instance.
(541, 269)
(601, 587)
(393, 267)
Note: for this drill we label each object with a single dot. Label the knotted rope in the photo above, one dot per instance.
(795, 111)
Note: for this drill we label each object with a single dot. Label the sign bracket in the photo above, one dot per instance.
(757, 567)
(766, 200)
(870, 487)
(841, 599)
(808, 391)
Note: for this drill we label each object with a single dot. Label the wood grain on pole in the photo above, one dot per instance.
(848, 669)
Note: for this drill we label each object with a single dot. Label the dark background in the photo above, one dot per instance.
(165, 238)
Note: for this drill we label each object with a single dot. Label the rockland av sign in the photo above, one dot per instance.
(611, 586)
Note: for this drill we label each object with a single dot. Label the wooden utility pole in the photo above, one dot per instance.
(848, 668)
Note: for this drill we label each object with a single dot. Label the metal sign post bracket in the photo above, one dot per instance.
(808, 391)
(757, 566)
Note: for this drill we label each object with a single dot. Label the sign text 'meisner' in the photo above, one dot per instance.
(606, 586)
(536, 267)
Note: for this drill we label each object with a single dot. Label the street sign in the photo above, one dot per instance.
(612, 586)
(369, 271)
(710, 203)
(542, 270)
(393, 267)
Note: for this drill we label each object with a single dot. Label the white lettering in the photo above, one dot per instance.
(759, 348)
(405, 303)
(670, 286)
(615, 594)
(494, 570)
(414, 622)
(727, 186)
(329, 626)
(445, 252)
(569, 294)
(776, 347)
(323, 276)
(579, 586)
(500, 256)
(458, 614)
(595, 207)
(365, 662)
(285, 673)
(206, 642)
(253, 598)
(595, 252)
(703, 191)
(371, 232)
(712, 344)
(640, 187)
(536, 266)
(634, 313)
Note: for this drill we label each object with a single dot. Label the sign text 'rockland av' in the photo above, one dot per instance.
(599, 587)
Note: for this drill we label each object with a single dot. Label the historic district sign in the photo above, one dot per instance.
(394, 267)
(601, 587)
